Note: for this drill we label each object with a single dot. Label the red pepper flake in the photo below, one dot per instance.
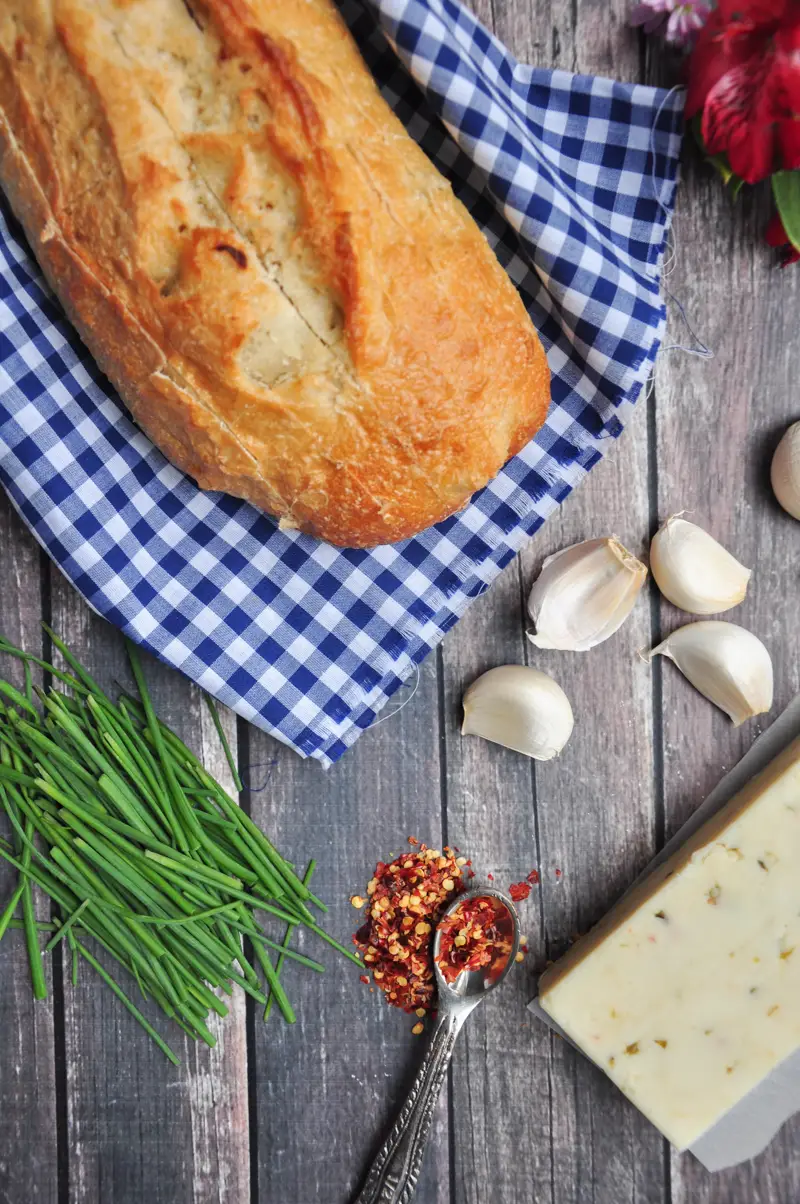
(406, 899)
(559, 874)
(413, 840)
(519, 891)
(533, 877)
(490, 877)
(478, 935)
(364, 978)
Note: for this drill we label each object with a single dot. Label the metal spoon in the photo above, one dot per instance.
(394, 1173)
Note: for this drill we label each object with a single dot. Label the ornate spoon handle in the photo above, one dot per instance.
(394, 1173)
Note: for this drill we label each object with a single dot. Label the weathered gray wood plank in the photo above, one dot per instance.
(218, 1077)
(591, 37)
(565, 1134)
(139, 1128)
(28, 1115)
(501, 1071)
(500, 1079)
(327, 1087)
(529, 1114)
(598, 826)
(718, 422)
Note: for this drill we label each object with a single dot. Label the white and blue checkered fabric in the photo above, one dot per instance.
(572, 179)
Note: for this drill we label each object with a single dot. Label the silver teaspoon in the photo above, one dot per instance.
(394, 1174)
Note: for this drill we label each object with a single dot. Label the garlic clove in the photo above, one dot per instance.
(727, 664)
(521, 708)
(695, 572)
(785, 471)
(584, 594)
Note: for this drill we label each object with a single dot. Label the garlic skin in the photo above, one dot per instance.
(695, 572)
(521, 708)
(785, 471)
(727, 664)
(584, 594)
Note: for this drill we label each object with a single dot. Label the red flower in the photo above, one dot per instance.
(744, 76)
(776, 236)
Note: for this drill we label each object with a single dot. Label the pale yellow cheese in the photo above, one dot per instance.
(688, 993)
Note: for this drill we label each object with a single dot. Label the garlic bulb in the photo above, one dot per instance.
(584, 594)
(520, 708)
(695, 572)
(785, 472)
(727, 664)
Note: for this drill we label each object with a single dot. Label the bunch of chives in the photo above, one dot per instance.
(140, 850)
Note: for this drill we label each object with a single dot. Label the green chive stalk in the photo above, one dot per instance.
(312, 865)
(140, 851)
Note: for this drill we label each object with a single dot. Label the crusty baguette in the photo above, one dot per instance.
(281, 286)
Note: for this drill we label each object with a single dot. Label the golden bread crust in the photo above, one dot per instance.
(282, 287)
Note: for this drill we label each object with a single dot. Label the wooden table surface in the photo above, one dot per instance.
(91, 1112)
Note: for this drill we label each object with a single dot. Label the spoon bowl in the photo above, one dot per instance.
(474, 985)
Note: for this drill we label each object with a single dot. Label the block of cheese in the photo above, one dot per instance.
(687, 993)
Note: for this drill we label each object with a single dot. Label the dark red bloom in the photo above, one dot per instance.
(777, 237)
(744, 77)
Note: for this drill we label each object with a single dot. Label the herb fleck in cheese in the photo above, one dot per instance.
(709, 1002)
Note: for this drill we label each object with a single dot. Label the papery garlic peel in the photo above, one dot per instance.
(726, 663)
(584, 594)
(785, 471)
(694, 571)
(521, 708)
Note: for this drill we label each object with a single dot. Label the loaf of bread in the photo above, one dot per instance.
(279, 283)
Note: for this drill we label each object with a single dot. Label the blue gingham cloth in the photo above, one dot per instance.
(572, 179)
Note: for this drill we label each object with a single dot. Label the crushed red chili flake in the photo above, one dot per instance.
(478, 934)
(559, 873)
(519, 891)
(406, 899)
(533, 877)
(363, 978)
